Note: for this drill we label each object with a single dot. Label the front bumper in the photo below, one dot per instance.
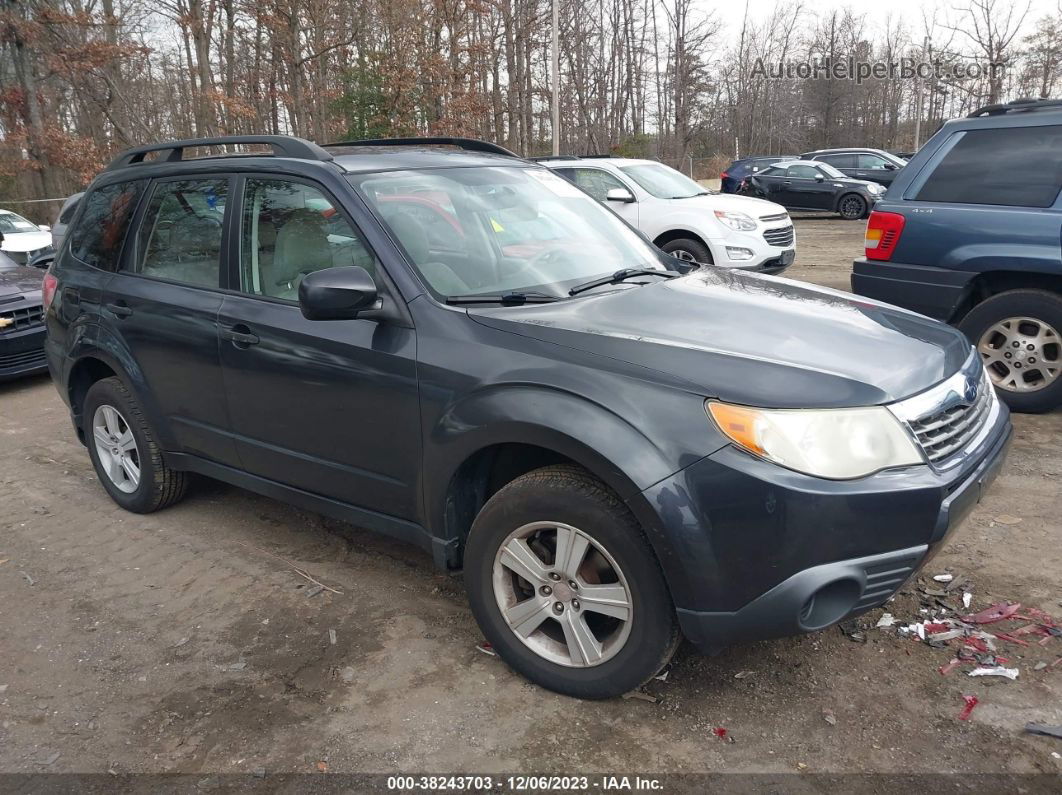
(755, 551)
(22, 353)
(936, 292)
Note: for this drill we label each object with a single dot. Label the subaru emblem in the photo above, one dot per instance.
(969, 393)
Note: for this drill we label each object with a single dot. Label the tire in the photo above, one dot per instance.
(628, 652)
(158, 486)
(1029, 381)
(852, 207)
(688, 250)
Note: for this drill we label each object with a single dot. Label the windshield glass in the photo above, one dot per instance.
(830, 171)
(495, 230)
(13, 224)
(663, 181)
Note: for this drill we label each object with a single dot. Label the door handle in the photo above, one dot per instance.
(786, 182)
(119, 310)
(240, 335)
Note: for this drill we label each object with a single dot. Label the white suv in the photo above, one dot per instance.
(683, 218)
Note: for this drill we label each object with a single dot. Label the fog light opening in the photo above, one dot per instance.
(829, 604)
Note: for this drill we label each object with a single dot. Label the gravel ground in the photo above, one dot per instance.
(189, 641)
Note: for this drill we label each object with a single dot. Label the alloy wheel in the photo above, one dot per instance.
(682, 254)
(562, 594)
(1021, 354)
(116, 448)
(852, 207)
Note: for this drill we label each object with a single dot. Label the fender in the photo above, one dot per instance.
(1036, 257)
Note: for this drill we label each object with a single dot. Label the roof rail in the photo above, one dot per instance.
(468, 144)
(1024, 105)
(599, 157)
(283, 146)
(554, 157)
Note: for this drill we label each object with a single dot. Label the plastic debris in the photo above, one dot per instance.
(971, 702)
(236, 666)
(943, 577)
(886, 620)
(1039, 666)
(28, 579)
(486, 648)
(998, 670)
(1006, 519)
(314, 591)
(1044, 729)
(743, 674)
(853, 631)
(990, 615)
(332, 637)
(662, 677)
(966, 599)
(829, 717)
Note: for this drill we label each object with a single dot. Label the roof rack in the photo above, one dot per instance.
(283, 146)
(599, 157)
(1024, 105)
(554, 157)
(468, 144)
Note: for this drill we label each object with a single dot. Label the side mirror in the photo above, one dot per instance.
(891, 167)
(820, 178)
(337, 294)
(619, 195)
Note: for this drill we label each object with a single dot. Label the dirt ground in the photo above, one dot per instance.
(187, 641)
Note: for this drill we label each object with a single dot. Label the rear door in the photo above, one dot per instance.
(329, 407)
(162, 307)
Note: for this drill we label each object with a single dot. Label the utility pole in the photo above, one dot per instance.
(918, 88)
(556, 82)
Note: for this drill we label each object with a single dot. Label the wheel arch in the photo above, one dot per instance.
(993, 282)
(671, 235)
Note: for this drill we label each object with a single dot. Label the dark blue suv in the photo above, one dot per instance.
(971, 233)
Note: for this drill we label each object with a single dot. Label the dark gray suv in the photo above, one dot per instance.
(439, 341)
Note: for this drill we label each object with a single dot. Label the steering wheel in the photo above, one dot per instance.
(541, 257)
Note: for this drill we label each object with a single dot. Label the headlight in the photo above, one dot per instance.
(739, 221)
(838, 444)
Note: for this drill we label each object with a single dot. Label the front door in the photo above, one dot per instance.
(808, 187)
(329, 407)
(163, 303)
(598, 182)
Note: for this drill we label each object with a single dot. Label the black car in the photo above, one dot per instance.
(439, 341)
(874, 165)
(973, 235)
(736, 173)
(809, 185)
(21, 324)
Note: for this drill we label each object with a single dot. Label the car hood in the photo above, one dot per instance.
(18, 280)
(732, 203)
(752, 339)
(26, 241)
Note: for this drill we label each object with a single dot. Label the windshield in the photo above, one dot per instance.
(830, 171)
(663, 181)
(13, 224)
(494, 230)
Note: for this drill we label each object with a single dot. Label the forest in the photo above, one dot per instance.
(669, 79)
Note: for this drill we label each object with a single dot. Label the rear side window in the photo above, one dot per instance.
(841, 161)
(68, 212)
(180, 236)
(97, 239)
(1010, 166)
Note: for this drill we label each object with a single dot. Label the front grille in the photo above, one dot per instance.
(21, 319)
(943, 432)
(770, 219)
(782, 236)
(17, 361)
(885, 579)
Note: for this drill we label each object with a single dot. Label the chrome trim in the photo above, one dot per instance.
(967, 388)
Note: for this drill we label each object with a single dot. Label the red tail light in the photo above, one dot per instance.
(48, 290)
(724, 175)
(883, 233)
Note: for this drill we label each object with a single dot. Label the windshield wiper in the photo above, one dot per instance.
(692, 195)
(619, 276)
(505, 299)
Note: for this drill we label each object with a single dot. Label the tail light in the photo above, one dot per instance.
(48, 290)
(883, 233)
(724, 175)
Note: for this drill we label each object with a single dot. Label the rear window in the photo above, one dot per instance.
(97, 238)
(1009, 166)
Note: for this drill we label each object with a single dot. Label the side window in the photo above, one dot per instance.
(97, 238)
(68, 211)
(874, 162)
(596, 182)
(1013, 167)
(289, 230)
(802, 172)
(180, 236)
(841, 161)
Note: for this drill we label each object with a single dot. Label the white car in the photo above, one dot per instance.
(683, 218)
(23, 240)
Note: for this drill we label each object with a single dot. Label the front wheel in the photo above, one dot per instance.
(688, 250)
(566, 588)
(1018, 335)
(852, 207)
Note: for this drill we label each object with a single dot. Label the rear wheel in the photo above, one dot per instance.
(688, 250)
(1018, 335)
(566, 588)
(852, 207)
(122, 446)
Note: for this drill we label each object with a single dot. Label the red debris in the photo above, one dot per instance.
(720, 733)
(971, 702)
(1011, 639)
(947, 669)
(976, 643)
(990, 615)
(1056, 663)
(932, 628)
